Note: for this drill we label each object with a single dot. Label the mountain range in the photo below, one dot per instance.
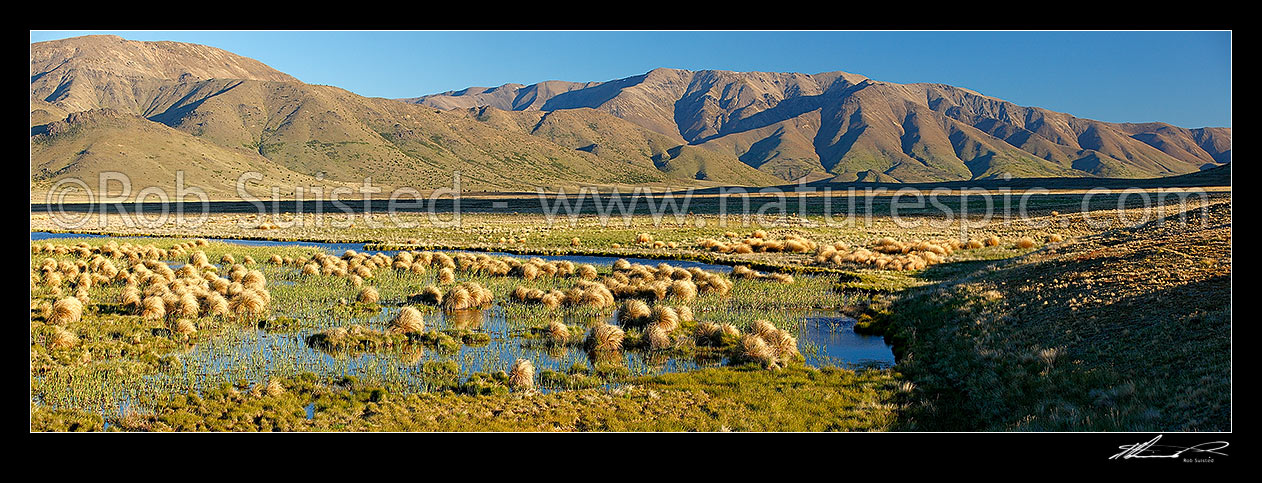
(150, 109)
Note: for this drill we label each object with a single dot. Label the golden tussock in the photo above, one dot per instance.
(153, 308)
(62, 339)
(430, 295)
(658, 338)
(634, 313)
(605, 337)
(185, 327)
(558, 333)
(65, 311)
(407, 320)
(368, 295)
(521, 377)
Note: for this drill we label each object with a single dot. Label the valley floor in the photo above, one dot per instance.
(1120, 327)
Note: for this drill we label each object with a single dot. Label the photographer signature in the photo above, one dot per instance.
(1153, 450)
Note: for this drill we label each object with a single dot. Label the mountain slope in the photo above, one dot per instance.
(107, 71)
(325, 132)
(150, 154)
(850, 127)
(149, 109)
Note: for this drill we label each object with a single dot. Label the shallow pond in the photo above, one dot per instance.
(825, 338)
(340, 248)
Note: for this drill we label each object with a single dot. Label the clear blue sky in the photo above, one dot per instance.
(1183, 78)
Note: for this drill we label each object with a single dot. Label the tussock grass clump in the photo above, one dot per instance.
(43, 310)
(685, 313)
(658, 338)
(887, 254)
(605, 337)
(153, 308)
(188, 306)
(992, 241)
(274, 388)
(763, 328)
(767, 345)
(575, 242)
(716, 335)
(587, 272)
(216, 305)
(52, 279)
(665, 317)
(558, 333)
(82, 294)
(785, 345)
(254, 279)
(1054, 238)
(62, 339)
(682, 290)
(430, 295)
(745, 273)
(634, 313)
(466, 296)
(248, 304)
(368, 295)
(407, 321)
(521, 377)
(711, 283)
(184, 327)
(754, 349)
(759, 242)
(1025, 242)
(446, 275)
(66, 311)
(707, 333)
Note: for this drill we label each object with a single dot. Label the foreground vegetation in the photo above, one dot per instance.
(1126, 330)
(718, 399)
(1058, 325)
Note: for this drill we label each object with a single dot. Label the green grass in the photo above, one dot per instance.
(721, 399)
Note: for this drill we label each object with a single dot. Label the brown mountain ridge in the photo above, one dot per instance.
(849, 127)
(160, 107)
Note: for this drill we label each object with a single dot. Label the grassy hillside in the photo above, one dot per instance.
(854, 128)
(1128, 330)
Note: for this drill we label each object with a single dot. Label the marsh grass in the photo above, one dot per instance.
(124, 362)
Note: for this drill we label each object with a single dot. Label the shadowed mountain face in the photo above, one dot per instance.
(848, 127)
(150, 109)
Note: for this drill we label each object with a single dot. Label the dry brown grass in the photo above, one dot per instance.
(368, 295)
(153, 308)
(407, 320)
(62, 339)
(466, 296)
(558, 333)
(66, 311)
(605, 337)
(522, 375)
